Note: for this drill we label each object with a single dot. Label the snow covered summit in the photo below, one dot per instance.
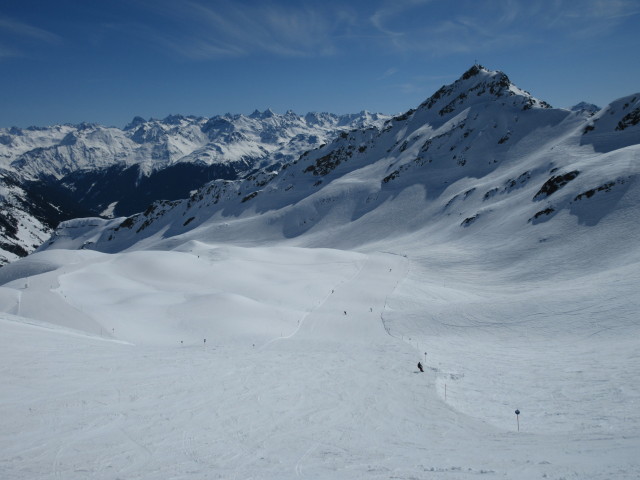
(474, 86)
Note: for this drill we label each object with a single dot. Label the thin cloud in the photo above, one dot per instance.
(590, 18)
(18, 38)
(392, 9)
(441, 37)
(424, 84)
(469, 26)
(202, 31)
(16, 28)
(599, 9)
(388, 73)
(198, 49)
(6, 52)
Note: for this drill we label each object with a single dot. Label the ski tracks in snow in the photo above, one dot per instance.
(351, 311)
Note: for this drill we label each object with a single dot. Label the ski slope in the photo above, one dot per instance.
(269, 328)
(106, 373)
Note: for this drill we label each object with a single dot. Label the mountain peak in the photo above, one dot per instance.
(137, 120)
(173, 119)
(585, 107)
(257, 114)
(480, 84)
(473, 71)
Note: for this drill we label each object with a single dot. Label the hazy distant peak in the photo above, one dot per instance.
(585, 107)
(137, 120)
(173, 119)
(258, 115)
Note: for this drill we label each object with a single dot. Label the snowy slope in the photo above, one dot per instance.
(287, 384)
(17, 141)
(485, 234)
(20, 233)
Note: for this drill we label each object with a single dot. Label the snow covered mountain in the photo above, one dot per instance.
(480, 154)
(92, 169)
(269, 326)
(157, 144)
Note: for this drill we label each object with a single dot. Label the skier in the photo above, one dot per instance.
(420, 367)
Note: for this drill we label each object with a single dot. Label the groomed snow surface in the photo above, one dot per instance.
(309, 366)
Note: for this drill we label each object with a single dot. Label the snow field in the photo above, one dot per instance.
(564, 352)
(288, 386)
(219, 293)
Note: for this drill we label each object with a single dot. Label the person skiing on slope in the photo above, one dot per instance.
(420, 367)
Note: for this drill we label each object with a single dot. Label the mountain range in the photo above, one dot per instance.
(66, 171)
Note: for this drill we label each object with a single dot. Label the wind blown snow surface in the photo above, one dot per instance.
(309, 367)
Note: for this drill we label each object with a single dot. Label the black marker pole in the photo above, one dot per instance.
(518, 418)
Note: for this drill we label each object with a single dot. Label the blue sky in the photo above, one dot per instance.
(106, 61)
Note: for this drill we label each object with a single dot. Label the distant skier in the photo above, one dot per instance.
(420, 367)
